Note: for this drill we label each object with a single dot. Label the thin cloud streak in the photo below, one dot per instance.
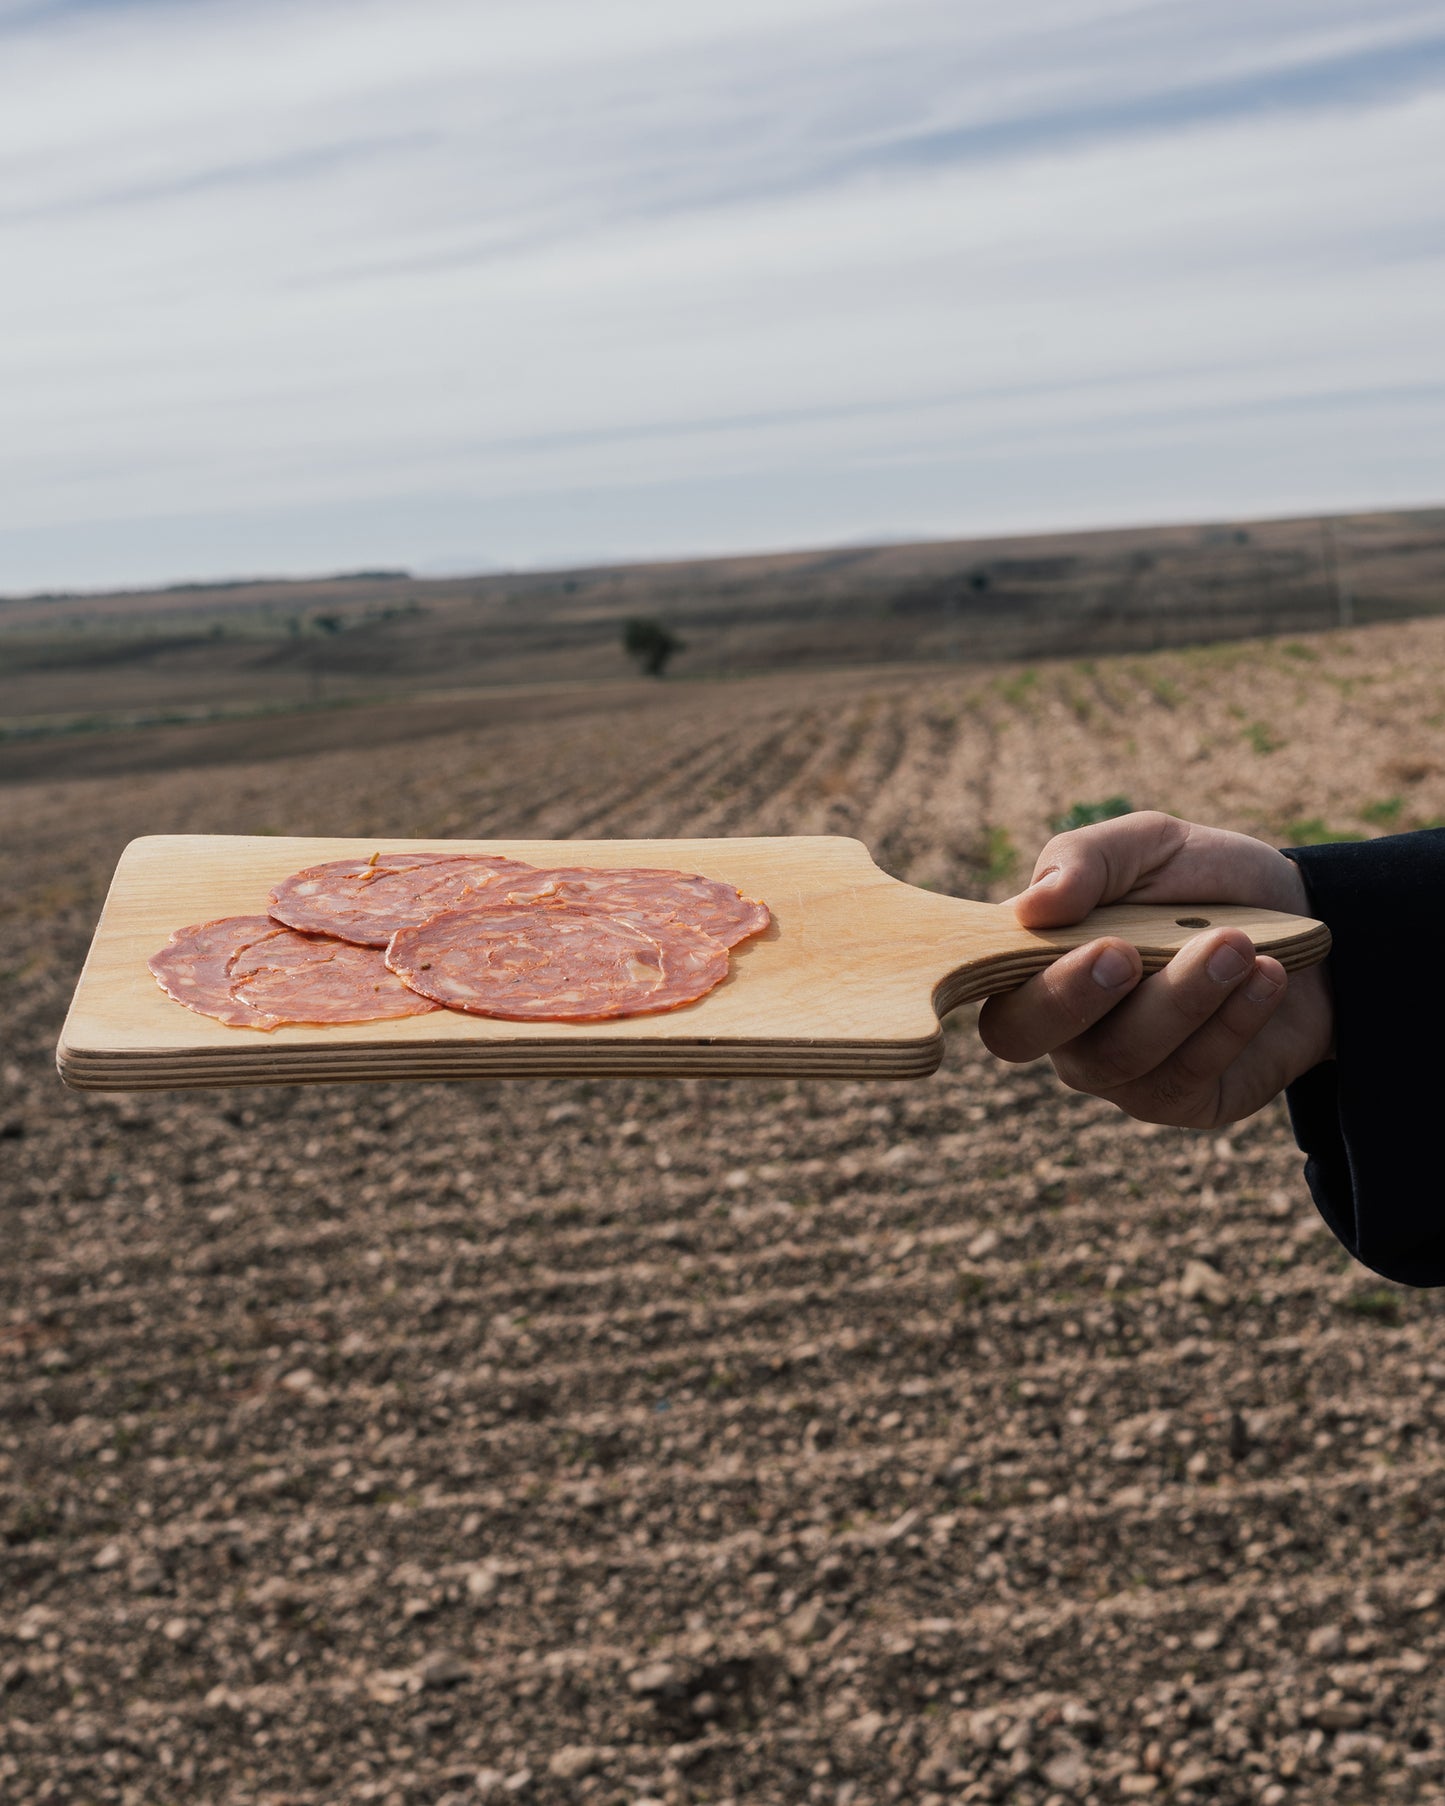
(287, 168)
(1347, 80)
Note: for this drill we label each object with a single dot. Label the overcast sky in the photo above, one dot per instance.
(297, 285)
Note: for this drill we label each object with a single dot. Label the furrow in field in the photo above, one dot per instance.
(1132, 1424)
(506, 1376)
(690, 1291)
(907, 754)
(782, 1297)
(741, 797)
(939, 1196)
(1161, 1472)
(939, 847)
(665, 802)
(805, 803)
(662, 783)
(869, 1585)
(703, 1686)
(1131, 1412)
(716, 1239)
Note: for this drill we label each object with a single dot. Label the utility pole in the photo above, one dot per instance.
(1344, 608)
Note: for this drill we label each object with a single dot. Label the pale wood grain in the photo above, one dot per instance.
(850, 980)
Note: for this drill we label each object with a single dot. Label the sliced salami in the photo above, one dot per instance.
(555, 964)
(194, 967)
(646, 898)
(367, 900)
(250, 972)
(304, 978)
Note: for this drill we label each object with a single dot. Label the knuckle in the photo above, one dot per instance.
(1181, 1100)
(1193, 1064)
(1108, 1065)
(1084, 1069)
(1171, 1090)
(1072, 1076)
(1194, 1002)
(1207, 1052)
(1051, 1010)
(1073, 849)
(1003, 1037)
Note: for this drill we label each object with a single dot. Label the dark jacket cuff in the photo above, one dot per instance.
(1367, 1121)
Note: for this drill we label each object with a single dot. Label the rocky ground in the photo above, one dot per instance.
(752, 1442)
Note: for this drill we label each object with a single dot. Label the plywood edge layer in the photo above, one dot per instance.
(761, 1066)
(609, 1059)
(742, 1063)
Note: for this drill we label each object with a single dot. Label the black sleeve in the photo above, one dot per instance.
(1368, 1120)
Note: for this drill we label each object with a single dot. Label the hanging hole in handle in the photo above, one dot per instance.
(1191, 921)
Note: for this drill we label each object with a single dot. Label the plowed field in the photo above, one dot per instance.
(751, 1442)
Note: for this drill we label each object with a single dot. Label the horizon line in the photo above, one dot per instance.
(875, 542)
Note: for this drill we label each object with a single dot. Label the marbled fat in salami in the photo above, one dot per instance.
(475, 932)
(558, 963)
(194, 967)
(367, 900)
(305, 978)
(645, 897)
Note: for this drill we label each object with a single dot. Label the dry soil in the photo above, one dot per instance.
(770, 1442)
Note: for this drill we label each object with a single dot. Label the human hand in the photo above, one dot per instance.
(1206, 1041)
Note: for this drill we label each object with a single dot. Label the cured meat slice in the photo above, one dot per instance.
(557, 964)
(647, 898)
(367, 900)
(194, 967)
(250, 972)
(303, 978)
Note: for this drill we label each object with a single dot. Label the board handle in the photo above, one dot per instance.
(1157, 930)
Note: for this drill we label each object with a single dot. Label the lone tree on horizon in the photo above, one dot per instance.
(651, 643)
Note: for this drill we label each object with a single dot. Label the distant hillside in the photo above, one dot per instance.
(265, 644)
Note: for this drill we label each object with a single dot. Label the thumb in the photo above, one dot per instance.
(1078, 871)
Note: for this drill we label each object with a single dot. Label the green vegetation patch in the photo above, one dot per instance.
(1261, 738)
(1084, 815)
(1312, 832)
(997, 856)
(1015, 690)
(1378, 1305)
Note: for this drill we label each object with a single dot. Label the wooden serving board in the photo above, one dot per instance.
(850, 981)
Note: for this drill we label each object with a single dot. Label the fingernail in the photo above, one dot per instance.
(1225, 965)
(1261, 987)
(1112, 969)
(1051, 876)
